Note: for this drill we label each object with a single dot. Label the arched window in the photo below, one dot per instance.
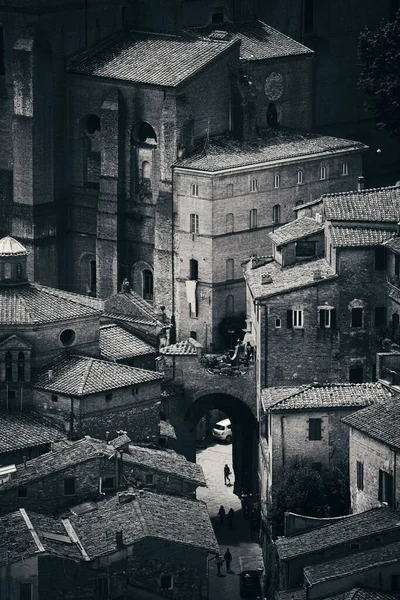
(272, 115)
(93, 276)
(90, 128)
(146, 171)
(7, 270)
(21, 366)
(143, 133)
(19, 271)
(322, 173)
(8, 365)
(230, 222)
(299, 177)
(253, 218)
(276, 214)
(194, 223)
(230, 269)
(230, 306)
(147, 284)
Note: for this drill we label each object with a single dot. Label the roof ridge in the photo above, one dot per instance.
(23, 301)
(86, 375)
(69, 296)
(297, 393)
(361, 192)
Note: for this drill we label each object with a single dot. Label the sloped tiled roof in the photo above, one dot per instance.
(393, 244)
(31, 304)
(16, 541)
(25, 429)
(167, 429)
(353, 564)
(165, 461)
(258, 40)
(277, 144)
(344, 530)
(285, 280)
(357, 236)
(374, 204)
(150, 515)
(380, 421)
(295, 230)
(335, 395)
(184, 347)
(81, 376)
(117, 344)
(354, 594)
(150, 58)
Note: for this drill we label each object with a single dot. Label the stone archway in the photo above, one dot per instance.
(245, 435)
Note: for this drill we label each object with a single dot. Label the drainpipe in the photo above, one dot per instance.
(283, 439)
(172, 245)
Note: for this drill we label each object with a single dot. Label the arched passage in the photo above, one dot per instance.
(244, 429)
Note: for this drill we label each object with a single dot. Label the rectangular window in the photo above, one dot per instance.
(253, 218)
(356, 375)
(276, 214)
(380, 258)
(193, 270)
(385, 489)
(345, 168)
(306, 248)
(69, 486)
(356, 317)
(299, 177)
(327, 318)
(109, 397)
(108, 483)
(360, 475)
(22, 492)
(54, 398)
(25, 591)
(322, 173)
(314, 429)
(396, 265)
(297, 318)
(166, 582)
(355, 546)
(277, 181)
(253, 185)
(149, 479)
(194, 190)
(194, 223)
(380, 316)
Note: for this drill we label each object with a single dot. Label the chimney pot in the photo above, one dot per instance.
(24, 458)
(107, 437)
(266, 278)
(360, 184)
(50, 375)
(317, 274)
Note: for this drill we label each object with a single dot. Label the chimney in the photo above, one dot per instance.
(119, 540)
(317, 274)
(50, 375)
(24, 458)
(107, 437)
(266, 278)
(360, 183)
(141, 493)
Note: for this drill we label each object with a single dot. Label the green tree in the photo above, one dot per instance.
(302, 489)
(379, 59)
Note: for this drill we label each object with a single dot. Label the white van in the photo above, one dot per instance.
(223, 431)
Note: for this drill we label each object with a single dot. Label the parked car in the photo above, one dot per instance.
(223, 431)
(250, 586)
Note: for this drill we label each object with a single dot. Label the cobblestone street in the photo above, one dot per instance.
(245, 552)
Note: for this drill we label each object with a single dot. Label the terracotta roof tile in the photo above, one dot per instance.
(353, 564)
(375, 204)
(170, 518)
(295, 230)
(393, 244)
(24, 429)
(380, 421)
(258, 40)
(285, 280)
(224, 153)
(180, 348)
(150, 58)
(344, 530)
(81, 376)
(167, 429)
(335, 395)
(117, 344)
(33, 304)
(16, 541)
(351, 237)
(165, 461)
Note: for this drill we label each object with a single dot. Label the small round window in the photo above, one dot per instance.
(67, 337)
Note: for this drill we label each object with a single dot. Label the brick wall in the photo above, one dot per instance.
(171, 484)
(375, 456)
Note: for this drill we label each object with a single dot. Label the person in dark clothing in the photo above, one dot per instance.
(220, 562)
(230, 517)
(227, 474)
(228, 560)
(221, 514)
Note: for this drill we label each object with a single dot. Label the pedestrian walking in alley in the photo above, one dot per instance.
(220, 562)
(227, 475)
(230, 516)
(221, 514)
(228, 560)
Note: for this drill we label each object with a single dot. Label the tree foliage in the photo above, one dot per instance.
(302, 489)
(379, 59)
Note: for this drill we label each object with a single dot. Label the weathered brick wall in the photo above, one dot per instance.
(375, 456)
(24, 571)
(288, 252)
(162, 482)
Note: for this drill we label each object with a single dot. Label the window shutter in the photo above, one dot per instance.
(389, 490)
(322, 318)
(333, 318)
(380, 488)
(289, 319)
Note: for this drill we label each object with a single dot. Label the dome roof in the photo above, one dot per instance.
(10, 247)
